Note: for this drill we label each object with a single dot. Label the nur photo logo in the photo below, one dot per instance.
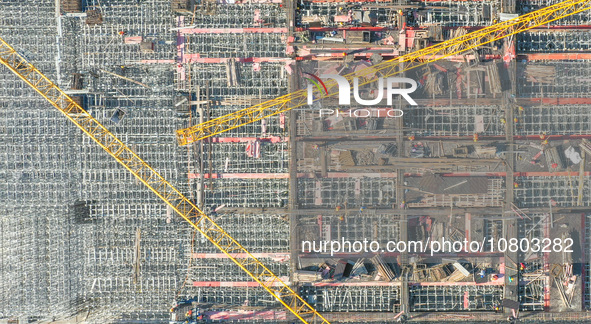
(391, 87)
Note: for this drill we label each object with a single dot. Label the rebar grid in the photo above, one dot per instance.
(76, 247)
(225, 297)
(261, 233)
(225, 271)
(270, 81)
(247, 193)
(543, 191)
(350, 225)
(103, 45)
(555, 120)
(356, 192)
(233, 158)
(236, 45)
(570, 80)
(554, 41)
(240, 16)
(353, 299)
(453, 298)
(531, 296)
(454, 121)
(465, 13)
(582, 18)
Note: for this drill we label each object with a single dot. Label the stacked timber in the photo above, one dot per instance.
(383, 268)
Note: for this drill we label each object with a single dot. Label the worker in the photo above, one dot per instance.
(515, 185)
(522, 266)
(482, 273)
(338, 208)
(475, 137)
(411, 138)
(503, 121)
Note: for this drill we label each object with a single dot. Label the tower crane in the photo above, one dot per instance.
(385, 69)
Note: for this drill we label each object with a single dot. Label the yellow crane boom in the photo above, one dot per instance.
(385, 69)
(155, 182)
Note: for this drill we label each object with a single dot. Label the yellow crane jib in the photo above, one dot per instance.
(385, 69)
(155, 182)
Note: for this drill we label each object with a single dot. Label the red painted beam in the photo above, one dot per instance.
(500, 137)
(325, 29)
(348, 175)
(559, 101)
(241, 176)
(515, 174)
(356, 284)
(556, 56)
(196, 58)
(272, 139)
(243, 315)
(228, 284)
(233, 31)
(308, 175)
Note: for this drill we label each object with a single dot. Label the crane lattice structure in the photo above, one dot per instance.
(162, 188)
(454, 46)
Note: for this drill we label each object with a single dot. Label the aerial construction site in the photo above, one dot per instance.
(186, 161)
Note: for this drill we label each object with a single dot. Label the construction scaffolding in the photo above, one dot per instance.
(333, 192)
(79, 235)
(455, 121)
(550, 191)
(353, 299)
(455, 298)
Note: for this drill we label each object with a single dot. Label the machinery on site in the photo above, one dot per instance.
(186, 311)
